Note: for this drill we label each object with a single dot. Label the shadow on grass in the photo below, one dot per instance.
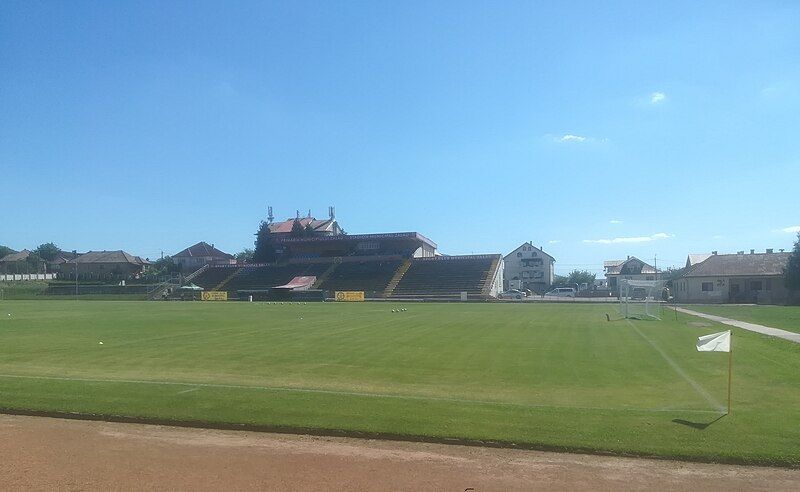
(698, 425)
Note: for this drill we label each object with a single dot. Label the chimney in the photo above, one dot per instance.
(629, 257)
(714, 253)
(752, 251)
(781, 250)
(740, 252)
(769, 250)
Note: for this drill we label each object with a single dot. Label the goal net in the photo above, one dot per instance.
(640, 299)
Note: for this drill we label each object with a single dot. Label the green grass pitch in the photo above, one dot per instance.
(550, 375)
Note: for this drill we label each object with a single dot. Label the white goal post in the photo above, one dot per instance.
(640, 299)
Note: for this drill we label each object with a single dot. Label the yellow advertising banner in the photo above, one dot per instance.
(349, 296)
(213, 295)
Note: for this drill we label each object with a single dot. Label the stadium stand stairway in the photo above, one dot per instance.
(325, 275)
(221, 285)
(371, 277)
(211, 277)
(398, 275)
(445, 278)
(196, 273)
(490, 274)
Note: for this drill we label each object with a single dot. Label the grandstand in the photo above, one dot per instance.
(446, 276)
(385, 276)
(385, 265)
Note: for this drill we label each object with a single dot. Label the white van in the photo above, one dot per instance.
(561, 292)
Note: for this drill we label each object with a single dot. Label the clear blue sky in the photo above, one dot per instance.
(594, 130)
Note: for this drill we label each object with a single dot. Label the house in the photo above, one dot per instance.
(200, 254)
(740, 277)
(631, 268)
(22, 262)
(104, 265)
(528, 267)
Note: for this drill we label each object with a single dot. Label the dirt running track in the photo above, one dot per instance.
(43, 453)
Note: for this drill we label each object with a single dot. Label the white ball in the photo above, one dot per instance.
(101, 343)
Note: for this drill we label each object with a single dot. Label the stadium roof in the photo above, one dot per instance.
(753, 264)
(117, 256)
(398, 236)
(203, 250)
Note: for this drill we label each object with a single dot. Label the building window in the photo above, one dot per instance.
(768, 284)
(755, 285)
(708, 286)
(519, 254)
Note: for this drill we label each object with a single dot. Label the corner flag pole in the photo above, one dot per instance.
(730, 373)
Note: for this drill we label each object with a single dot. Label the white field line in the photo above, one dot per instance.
(346, 393)
(187, 390)
(674, 365)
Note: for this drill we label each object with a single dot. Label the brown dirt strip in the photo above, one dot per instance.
(46, 453)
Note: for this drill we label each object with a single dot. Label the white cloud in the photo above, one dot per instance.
(572, 138)
(554, 241)
(632, 239)
(657, 98)
(791, 229)
(615, 221)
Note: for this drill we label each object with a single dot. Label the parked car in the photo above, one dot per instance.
(561, 292)
(511, 294)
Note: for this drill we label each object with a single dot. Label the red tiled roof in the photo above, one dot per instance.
(203, 250)
(286, 225)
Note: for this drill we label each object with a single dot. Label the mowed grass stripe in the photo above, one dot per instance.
(555, 375)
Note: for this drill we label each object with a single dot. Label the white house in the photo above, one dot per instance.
(528, 267)
(631, 269)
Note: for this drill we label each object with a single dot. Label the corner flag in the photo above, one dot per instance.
(716, 342)
(719, 342)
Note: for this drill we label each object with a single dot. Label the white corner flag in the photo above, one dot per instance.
(716, 342)
(719, 342)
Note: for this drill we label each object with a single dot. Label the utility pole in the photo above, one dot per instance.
(655, 264)
(75, 253)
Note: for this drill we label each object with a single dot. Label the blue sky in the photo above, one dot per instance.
(596, 131)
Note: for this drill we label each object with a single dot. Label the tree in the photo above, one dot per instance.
(47, 251)
(265, 246)
(5, 250)
(791, 273)
(559, 281)
(297, 229)
(245, 255)
(581, 277)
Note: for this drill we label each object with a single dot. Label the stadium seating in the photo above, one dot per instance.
(372, 277)
(448, 277)
(212, 277)
(266, 277)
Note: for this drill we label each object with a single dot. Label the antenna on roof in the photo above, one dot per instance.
(298, 214)
(332, 212)
(309, 213)
(270, 217)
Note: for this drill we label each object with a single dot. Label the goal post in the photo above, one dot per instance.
(640, 299)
